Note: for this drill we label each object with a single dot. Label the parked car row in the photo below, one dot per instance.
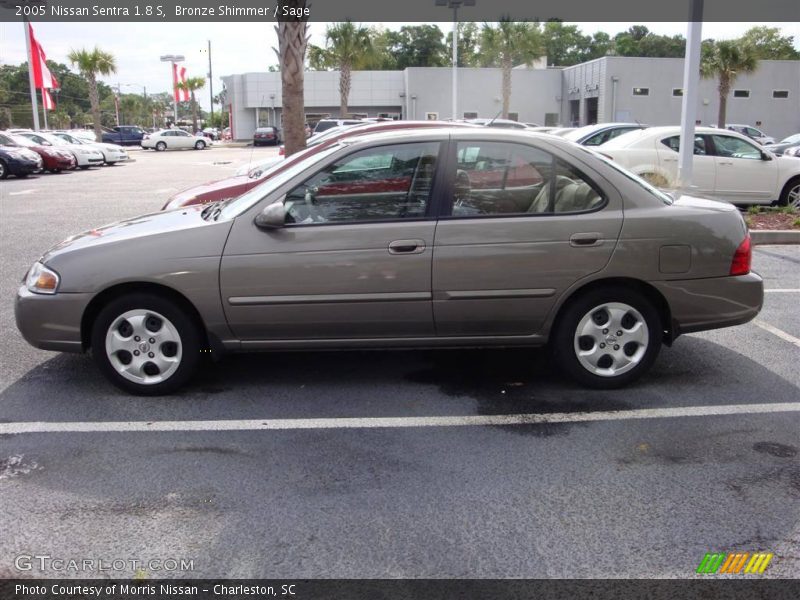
(23, 152)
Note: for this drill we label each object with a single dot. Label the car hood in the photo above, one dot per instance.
(137, 228)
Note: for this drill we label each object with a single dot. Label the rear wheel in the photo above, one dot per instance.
(161, 146)
(608, 337)
(145, 344)
(200, 145)
(790, 196)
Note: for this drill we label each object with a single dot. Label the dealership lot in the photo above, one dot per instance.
(253, 476)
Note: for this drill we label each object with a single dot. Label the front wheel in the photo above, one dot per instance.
(200, 145)
(145, 344)
(607, 338)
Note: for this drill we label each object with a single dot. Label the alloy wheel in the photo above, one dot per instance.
(611, 339)
(143, 346)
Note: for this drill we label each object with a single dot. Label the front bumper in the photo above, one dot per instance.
(24, 166)
(702, 304)
(51, 322)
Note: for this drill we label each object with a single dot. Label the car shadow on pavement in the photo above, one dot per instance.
(694, 372)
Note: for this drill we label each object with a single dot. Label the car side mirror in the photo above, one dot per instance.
(272, 217)
(765, 156)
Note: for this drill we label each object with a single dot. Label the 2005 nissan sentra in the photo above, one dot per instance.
(434, 238)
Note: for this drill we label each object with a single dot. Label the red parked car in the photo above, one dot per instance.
(236, 186)
(53, 159)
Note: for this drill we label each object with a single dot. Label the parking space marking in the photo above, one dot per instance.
(783, 291)
(777, 332)
(21, 192)
(396, 422)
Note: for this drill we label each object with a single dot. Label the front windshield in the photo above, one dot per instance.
(69, 138)
(236, 206)
(792, 139)
(665, 198)
(53, 139)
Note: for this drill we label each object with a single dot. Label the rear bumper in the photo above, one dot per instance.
(51, 322)
(702, 304)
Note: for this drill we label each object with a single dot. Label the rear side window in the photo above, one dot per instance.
(502, 179)
(674, 143)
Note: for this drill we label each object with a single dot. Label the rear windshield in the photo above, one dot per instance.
(663, 197)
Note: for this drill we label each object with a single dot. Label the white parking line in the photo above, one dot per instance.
(397, 422)
(778, 332)
(21, 192)
(783, 291)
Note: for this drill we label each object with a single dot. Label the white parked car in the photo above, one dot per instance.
(112, 153)
(85, 155)
(727, 165)
(174, 139)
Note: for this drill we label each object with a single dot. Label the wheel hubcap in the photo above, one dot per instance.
(794, 197)
(143, 346)
(611, 339)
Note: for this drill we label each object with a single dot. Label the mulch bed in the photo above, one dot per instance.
(772, 220)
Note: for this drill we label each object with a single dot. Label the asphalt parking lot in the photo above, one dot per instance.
(450, 463)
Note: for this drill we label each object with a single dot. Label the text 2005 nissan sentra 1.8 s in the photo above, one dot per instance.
(434, 238)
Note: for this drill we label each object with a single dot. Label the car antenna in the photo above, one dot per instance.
(489, 124)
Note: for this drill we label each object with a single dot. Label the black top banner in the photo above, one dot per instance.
(365, 11)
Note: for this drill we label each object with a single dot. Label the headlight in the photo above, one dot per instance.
(41, 280)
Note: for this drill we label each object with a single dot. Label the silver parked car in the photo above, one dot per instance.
(440, 238)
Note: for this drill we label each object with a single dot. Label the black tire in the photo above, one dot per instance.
(84, 167)
(564, 336)
(787, 189)
(3, 169)
(190, 342)
(22, 175)
(161, 146)
(200, 145)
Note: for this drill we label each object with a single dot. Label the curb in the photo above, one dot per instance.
(775, 236)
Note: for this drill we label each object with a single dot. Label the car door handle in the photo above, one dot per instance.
(725, 162)
(670, 160)
(582, 240)
(407, 247)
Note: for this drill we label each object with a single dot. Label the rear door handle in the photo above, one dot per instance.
(407, 247)
(583, 240)
(725, 162)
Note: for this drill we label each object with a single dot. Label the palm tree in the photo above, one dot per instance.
(292, 42)
(508, 43)
(92, 63)
(348, 47)
(726, 60)
(191, 85)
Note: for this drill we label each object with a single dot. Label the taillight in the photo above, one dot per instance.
(740, 265)
(282, 151)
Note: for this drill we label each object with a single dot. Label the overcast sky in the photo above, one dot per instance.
(236, 47)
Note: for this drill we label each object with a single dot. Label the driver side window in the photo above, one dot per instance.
(377, 184)
(732, 147)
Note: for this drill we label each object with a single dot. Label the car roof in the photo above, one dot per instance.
(580, 132)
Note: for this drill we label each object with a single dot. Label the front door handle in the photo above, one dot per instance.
(725, 162)
(407, 247)
(583, 240)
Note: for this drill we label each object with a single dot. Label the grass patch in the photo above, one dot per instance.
(753, 210)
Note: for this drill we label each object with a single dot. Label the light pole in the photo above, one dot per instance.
(210, 81)
(455, 5)
(173, 59)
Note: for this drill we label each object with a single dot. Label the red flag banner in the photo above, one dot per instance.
(179, 75)
(42, 77)
(47, 100)
(184, 92)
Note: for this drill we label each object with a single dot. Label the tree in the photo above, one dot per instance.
(347, 47)
(92, 63)
(726, 60)
(507, 44)
(292, 42)
(419, 46)
(469, 39)
(191, 85)
(768, 44)
(564, 45)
